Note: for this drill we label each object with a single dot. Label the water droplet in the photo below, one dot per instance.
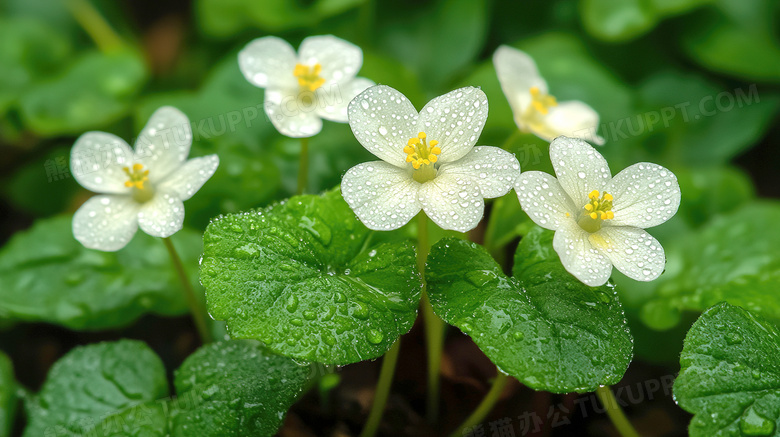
(296, 322)
(374, 336)
(466, 327)
(292, 303)
(360, 311)
(733, 338)
(309, 315)
(518, 335)
(339, 297)
(754, 424)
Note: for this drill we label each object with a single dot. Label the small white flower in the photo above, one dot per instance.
(144, 189)
(599, 220)
(534, 109)
(429, 161)
(302, 89)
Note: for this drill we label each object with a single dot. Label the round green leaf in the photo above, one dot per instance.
(235, 388)
(304, 278)
(541, 326)
(97, 89)
(734, 258)
(48, 276)
(93, 382)
(7, 396)
(730, 374)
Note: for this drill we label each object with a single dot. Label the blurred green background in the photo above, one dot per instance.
(688, 84)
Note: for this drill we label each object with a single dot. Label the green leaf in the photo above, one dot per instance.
(507, 222)
(709, 191)
(730, 374)
(699, 123)
(541, 326)
(93, 382)
(47, 177)
(96, 90)
(227, 110)
(622, 20)
(48, 276)
(224, 18)
(29, 50)
(235, 388)
(7, 396)
(436, 42)
(738, 39)
(734, 258)
(304, 278)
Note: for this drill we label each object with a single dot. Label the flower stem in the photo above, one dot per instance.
(486, 405)
(615, 413)
(511, 139)
(95, 25)
(196, 310)
(303, 168)
(382, 390)
(434, 326)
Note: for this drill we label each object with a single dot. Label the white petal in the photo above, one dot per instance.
(340, 60)
(292, 115)
(517, 73)
(164, 142)
(645, 194)
(579, 257)
(543, 199)
(383, 120)
(632, 251)
(333, 101)
(96, 162)
(573, 119)
(579, 167)
(162, 216)
(187, 180)
(106, 222)
(455, 120)
(269, 61)
(384, 197)
(493, 169)
(452, 203)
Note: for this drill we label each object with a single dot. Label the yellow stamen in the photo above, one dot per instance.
(542, 102)
(309, 77)
(422, 155)
(599, 208)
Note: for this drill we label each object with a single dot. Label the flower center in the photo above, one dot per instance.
(422, 155)
(542, 102)
(138, 180)
(309, 77)
(598, 209)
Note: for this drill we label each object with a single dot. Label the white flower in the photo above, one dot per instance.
(429, 161)
(599, 220)
(144, 189)
(302, 89)
(534, 109)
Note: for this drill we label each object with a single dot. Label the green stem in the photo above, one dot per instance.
(487, 404)
(434, 326)
(303, 168)
(196, 310)
(511, 139)
(615, 413)
(382, 390)
(95, 25)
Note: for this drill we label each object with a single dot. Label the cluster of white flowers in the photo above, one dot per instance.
(429, 161)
